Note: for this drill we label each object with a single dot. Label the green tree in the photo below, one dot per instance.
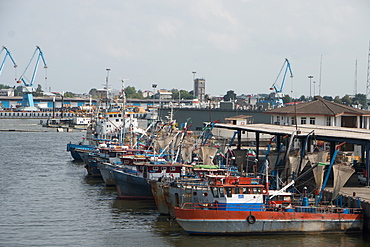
(18, 91)
(183, 94)
(69, 95)
(337, 100)
(287, 99)
(302, 98)
(175, 93)
(2, 86)
(360, 99)
(39, 91)
(346, 100)
(329, 98)
(230, 95)
(131, 93)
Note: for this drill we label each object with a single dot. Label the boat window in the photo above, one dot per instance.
(256, 190)
(173, 168)
(155, 168)
(215, 192)
(228, 192)
(236, 190)
(164, 168)
(222, 192)
(246, 191)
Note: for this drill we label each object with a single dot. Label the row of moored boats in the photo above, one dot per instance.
(192, 180)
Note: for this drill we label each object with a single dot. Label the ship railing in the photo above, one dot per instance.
(258, 207)
(224, 207)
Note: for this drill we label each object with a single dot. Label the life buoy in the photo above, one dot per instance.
(251, 219)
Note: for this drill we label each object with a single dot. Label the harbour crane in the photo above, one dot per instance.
(278, 95)
(27, 101)
(7, 54)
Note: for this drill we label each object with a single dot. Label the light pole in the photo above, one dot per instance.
(154, 87)
(314, 88)
(194, 72)
(310, 77)
(106, 81)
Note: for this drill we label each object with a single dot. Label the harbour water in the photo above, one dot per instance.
(46, 199)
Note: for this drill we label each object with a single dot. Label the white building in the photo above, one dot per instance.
(320, 112)
(163, 94)
(7, 92)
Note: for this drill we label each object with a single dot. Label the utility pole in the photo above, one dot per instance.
(320, 76)
(368, 80)
(194, 72)
(310, 77)
(355, 87)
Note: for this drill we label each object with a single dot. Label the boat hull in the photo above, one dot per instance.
(131, 187)
(106, 173)
(75, 149)
(91, 165)
(170, 195)
(212, 222)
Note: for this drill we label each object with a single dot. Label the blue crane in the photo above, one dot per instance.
(7, 54)
(278, 91)
(27, 102)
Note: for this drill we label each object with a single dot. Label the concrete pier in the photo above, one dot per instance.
(353, 192)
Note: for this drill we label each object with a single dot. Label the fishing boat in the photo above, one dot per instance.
(170, 193)
(245, 206)
(113, 157)
(133, 180)
(191, 187)
(77, 149)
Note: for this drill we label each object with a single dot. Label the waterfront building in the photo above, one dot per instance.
(320, 112)
(200, 89)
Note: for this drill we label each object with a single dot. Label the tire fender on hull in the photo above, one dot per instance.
(251, 219)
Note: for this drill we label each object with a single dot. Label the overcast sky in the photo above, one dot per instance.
(235, 45)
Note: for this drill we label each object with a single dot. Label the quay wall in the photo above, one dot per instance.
(353, 201)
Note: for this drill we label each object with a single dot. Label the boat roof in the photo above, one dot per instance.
(325, 133)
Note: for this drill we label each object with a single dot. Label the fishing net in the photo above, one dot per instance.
(295, 164)
(342, 172)
(318, 173)
(208, 153)
(318, 158)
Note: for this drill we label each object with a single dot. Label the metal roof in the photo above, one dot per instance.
(319, 106)
(326, 133)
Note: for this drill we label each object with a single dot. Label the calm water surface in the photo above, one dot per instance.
(46, 199)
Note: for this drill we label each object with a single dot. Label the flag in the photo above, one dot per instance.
(251, 152)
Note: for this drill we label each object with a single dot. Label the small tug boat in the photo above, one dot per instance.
(244, 206)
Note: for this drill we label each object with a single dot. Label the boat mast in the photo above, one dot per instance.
(122, 130)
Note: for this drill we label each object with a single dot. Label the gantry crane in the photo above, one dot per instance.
(278, 95)
(7, 54)
(27, 102)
